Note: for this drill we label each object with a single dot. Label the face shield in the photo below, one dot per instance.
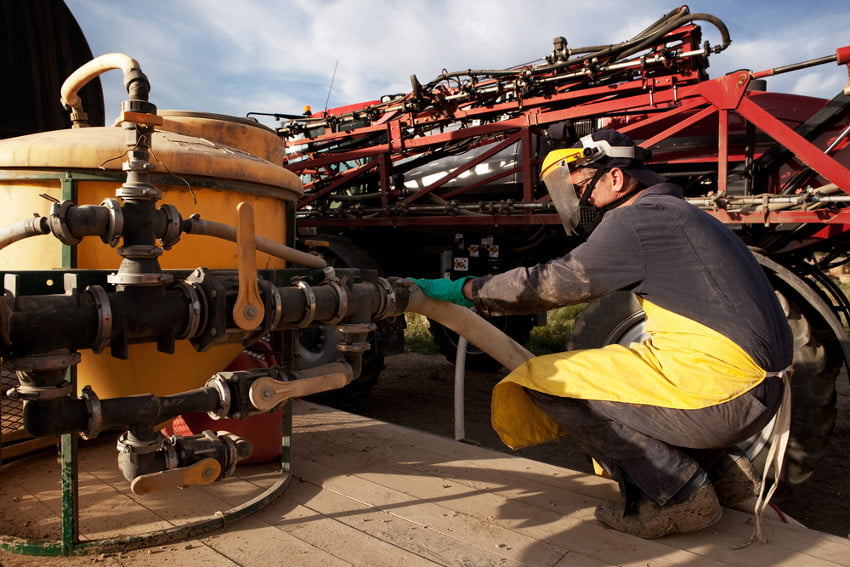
(563, 195)
(555, 175)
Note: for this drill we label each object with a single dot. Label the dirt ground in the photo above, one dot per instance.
(417, 390)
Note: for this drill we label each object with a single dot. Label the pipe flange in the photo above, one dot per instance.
(104, 321)
(230, 446)
(141, 192)
(58, 226)
(127, 445)
(219, 384)
(95, 409)
(353, 337)
(276, 304)
(194, 307)
(140, 251)
(169, 453)
(342, 305)
(116, 222)
(172, 226)
(42, 363)
(40, 393)
(310, 298)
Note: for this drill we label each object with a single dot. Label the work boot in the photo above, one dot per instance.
(736, 482)
(698, 510)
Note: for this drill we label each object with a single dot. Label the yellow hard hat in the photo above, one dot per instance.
(563, 156)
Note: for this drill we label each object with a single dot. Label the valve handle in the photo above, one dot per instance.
(248, 311)
(267, 392)
(205, 471)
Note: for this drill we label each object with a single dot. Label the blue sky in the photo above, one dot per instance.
(238, 56)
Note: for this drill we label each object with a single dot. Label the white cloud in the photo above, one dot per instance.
(275, 56)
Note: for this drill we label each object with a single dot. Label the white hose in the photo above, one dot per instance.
(94, 68)
(460, 382)
(472, 328)
(276, 249)
(22, 229)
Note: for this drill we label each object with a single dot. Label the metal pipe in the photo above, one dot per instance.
(43, 418)
(196, 225)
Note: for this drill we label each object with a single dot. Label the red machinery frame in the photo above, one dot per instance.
(655, 96)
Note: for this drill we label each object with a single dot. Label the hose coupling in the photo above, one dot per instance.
(174, 462)
(233, 390)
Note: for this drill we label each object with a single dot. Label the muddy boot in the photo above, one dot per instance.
(694, 511)
(736, 482)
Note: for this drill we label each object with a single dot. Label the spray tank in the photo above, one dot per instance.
(117, 315)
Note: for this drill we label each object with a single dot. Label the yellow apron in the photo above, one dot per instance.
(682, 364)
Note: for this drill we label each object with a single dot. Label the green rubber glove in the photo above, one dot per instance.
(445, 289)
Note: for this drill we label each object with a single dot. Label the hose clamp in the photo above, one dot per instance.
(388, 300)
(104, 320)
(342, 305)
(310, 299)
(95, 409)
(116, 222)
(59, 226)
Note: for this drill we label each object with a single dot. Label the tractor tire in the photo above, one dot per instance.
(518, 327)
(617, 318)
(317, 345)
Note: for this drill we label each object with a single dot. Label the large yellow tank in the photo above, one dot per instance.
(205, 164)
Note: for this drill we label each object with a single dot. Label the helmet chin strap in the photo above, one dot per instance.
(593, 216)
(585, 196)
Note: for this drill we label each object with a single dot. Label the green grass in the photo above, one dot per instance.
(417, 337)
(546, 339)
(553, 336)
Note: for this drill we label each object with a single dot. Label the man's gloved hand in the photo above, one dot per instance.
(445, 289)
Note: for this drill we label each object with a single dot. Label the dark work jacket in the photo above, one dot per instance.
(668, 252)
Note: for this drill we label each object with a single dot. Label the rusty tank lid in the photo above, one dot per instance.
(172, 152)
(243, 133)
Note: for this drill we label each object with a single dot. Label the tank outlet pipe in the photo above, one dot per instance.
(135, 82)
(469, 324)
(90, 415)
(196, 225)
(70, 223)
